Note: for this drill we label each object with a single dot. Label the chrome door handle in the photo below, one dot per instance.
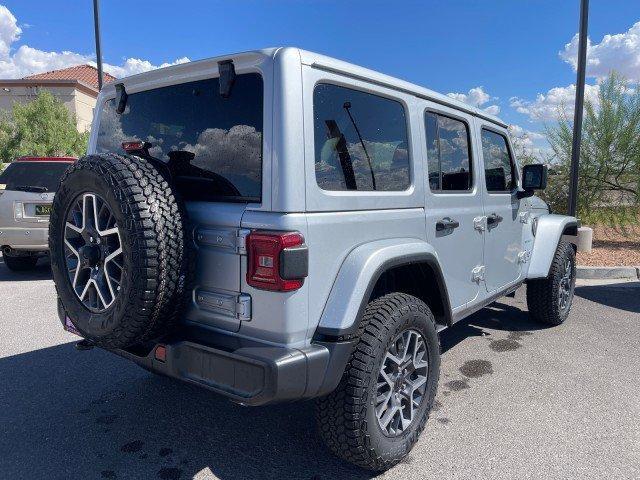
(446, 224)
(494, 219)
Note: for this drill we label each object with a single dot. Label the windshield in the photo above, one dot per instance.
(41, 175)
(212, 144)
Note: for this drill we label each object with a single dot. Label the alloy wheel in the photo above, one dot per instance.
(402, 382)
(93, 252)
(565, 289)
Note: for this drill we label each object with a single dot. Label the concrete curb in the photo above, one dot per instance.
(608, 272)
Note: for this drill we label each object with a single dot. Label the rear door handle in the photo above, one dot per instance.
(446, 224)
(494, 219)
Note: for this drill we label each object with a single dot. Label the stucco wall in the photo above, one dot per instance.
(78, 102)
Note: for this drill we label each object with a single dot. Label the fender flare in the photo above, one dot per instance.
(359, 274)
(548, 231)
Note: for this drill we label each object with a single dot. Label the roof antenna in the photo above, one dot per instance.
(121, 98)
(227, 77)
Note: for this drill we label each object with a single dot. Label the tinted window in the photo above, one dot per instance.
(360, 141)
(213, 145)
(448, 154)
(33, 174)
(498, 166)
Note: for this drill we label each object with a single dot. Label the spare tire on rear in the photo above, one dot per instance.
(119, 249)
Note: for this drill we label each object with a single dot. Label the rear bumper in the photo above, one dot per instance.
(251, 375)
(25, 238)
(246, 372)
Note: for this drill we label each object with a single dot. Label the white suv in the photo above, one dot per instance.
(27, 187)
(279, 225)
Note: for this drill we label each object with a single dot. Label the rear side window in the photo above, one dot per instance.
(448, 153)
(212, 145)
(360, 141)
(33, 174)
(499, 171)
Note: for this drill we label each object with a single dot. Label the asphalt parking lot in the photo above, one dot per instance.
(515, 401)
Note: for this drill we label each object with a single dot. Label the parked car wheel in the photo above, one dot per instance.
(20, 264)
(382, 403)
(118, 249)
(549, 300)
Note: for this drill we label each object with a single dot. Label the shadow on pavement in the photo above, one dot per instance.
(68, 414)
(41, 272)
(623, 296)
(498, 316)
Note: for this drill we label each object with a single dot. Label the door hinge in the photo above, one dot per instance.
(230, 305)
(477, 274)
(241, 242)
(480, 223)
(243, 307)
(523, 257)
(524, 217)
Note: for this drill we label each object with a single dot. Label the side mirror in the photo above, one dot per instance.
(534, 177)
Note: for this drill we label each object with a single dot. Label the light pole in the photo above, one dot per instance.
(96, 25)
(577, 115)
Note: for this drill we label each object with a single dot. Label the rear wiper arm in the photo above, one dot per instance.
(29, 188)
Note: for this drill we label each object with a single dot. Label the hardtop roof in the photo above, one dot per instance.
(315, 60)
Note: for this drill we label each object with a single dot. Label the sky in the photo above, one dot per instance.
(515, 59)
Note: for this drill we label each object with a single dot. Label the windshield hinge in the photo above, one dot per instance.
(121, 98)
(227, 77)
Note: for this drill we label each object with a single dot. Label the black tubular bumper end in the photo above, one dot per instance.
(250, 374)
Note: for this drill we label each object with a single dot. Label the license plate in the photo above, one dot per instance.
(43, 209)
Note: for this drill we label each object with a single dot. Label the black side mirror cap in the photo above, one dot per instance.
(534, 177)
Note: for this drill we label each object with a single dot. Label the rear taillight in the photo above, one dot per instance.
(18, 210)
(276, 260)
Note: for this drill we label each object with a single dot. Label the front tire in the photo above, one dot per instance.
(549, 299)
(374, 417)
(20, 264)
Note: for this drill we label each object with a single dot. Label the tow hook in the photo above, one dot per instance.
(83, 345)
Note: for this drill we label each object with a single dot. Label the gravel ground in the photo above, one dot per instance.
(515, 401)
(613, 248)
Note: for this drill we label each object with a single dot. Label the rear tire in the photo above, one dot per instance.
(144, 220)
(351, 419)
(20, 264)
(549, 299)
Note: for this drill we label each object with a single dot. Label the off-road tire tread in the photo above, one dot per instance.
(542, 301)
(342, 414)
(159, 263)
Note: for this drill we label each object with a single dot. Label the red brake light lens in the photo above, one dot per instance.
(265, 265)
(134, 146)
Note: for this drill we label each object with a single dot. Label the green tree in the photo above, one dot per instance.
(42, 127)
(609, 179)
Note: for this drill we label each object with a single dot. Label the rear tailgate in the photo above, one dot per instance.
(219, 240)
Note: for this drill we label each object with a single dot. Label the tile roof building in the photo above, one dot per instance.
(76, 87)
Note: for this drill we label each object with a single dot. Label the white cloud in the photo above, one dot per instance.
(9, 31)
(27, 60)
(620, 52)
(552, 104)
(477, 97)
(132, 66)
(529, 143)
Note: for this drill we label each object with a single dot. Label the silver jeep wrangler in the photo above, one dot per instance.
(279, 225)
